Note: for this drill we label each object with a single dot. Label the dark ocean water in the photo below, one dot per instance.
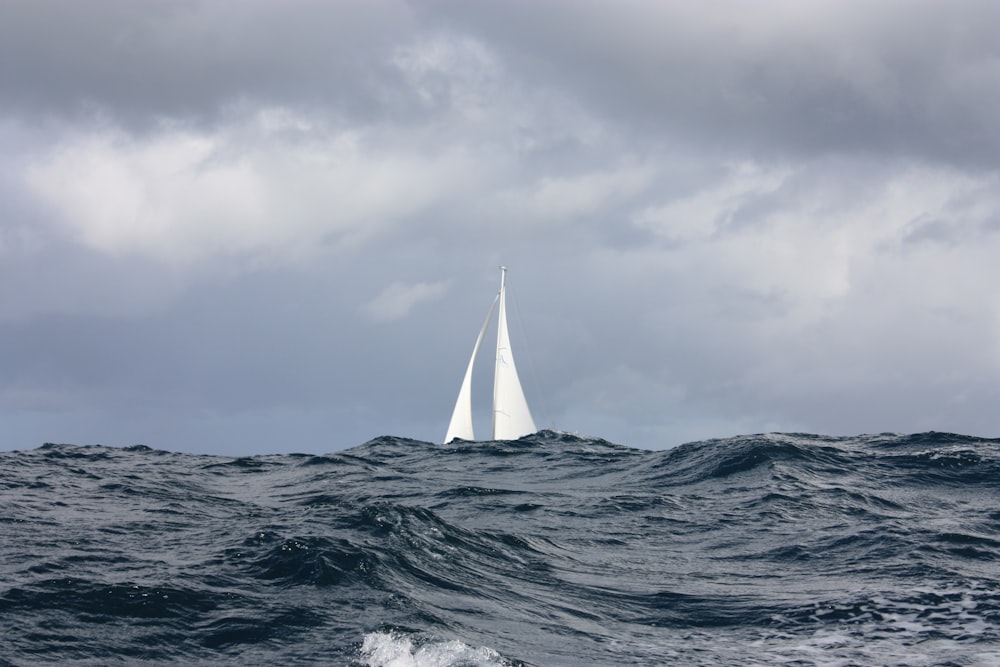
(551, 550)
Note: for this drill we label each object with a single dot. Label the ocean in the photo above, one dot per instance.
(776, 549)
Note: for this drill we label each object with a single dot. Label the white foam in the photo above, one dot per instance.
(392, 649)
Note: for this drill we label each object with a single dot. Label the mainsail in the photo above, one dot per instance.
(511, 416)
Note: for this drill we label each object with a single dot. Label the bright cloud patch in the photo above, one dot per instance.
(810, 233)
(397, 300)
(703, 213)
(183, 196)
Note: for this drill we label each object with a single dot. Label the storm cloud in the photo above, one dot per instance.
(266, 227)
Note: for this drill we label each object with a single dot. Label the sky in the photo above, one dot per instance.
(275, 226)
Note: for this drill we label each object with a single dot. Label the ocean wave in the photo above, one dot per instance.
(551, 550)
(399, 649)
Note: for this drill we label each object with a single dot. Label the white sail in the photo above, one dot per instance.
(511, 416)
(460, 425)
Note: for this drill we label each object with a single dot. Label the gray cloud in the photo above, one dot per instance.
(276, 227)
(155, 61)
(774, 79)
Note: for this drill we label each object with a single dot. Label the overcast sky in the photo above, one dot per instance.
(262, 227)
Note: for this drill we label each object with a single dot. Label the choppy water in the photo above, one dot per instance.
(552, 550)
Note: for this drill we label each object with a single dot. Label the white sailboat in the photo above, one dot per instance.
(511, 416)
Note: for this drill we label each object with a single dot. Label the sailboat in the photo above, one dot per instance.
(511, 416)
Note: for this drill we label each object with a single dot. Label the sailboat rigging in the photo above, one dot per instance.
(511, 416)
